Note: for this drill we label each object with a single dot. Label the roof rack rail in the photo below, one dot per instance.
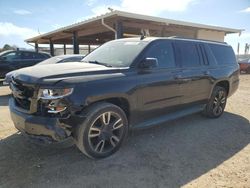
(179, 37)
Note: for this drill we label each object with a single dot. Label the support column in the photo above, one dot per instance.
(119, 29)
(75, 43)
(89, 48)
(64, 49)
(51, 45)
(163, 31)
(36, 47)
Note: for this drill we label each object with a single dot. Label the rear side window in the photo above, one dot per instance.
(189, 54)
(27, 55)
(39, 56)
(224, 55)
(204, 55)
(43, 55)
(163, 51)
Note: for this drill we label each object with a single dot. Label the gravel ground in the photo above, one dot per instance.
(190, 152)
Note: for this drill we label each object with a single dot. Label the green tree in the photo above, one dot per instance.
(7, 47)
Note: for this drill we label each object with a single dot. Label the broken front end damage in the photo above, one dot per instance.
(46, 127)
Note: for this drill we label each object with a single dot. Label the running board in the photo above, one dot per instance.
(169, 117)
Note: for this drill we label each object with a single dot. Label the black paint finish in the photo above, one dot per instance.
(148, 96)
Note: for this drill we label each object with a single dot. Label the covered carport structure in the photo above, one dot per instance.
(119, 24)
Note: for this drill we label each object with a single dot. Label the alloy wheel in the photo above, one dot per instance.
(219, 103)
(106, 132)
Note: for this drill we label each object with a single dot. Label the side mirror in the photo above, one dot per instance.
(149, 63)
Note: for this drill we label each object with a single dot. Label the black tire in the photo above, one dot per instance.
(103, 131)
(217, 103)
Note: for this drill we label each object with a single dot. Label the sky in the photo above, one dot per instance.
(20, 20)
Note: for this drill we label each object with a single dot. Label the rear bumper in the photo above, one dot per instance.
(43, 128)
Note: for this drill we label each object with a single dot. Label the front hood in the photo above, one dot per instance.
(57, 72)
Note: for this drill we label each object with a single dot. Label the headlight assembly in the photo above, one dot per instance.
(52, 94)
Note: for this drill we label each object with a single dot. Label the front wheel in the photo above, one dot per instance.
(103, 131)
(216, 104)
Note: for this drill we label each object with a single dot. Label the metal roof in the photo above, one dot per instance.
(150, 39)
(127, 15)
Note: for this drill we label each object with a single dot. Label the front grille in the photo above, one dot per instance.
(22, 94)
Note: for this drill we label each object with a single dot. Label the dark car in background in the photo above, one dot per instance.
(52, 60)
(245, 65)
(15, 59)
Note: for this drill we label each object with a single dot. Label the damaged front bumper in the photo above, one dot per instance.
(48, 129)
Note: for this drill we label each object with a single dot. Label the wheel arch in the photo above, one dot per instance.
(225, 84)
(119, 101)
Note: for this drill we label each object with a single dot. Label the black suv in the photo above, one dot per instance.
(15, 59)
(124, 84)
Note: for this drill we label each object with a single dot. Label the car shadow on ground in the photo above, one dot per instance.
(169, 155)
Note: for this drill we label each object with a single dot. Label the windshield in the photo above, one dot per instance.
(51, 60)
(116, 53)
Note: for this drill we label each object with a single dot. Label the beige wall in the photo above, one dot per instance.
(210, 35)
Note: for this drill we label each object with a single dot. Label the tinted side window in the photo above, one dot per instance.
(26, 55)
(224, 55)
(189, 54)
(204, 54)
(163, 51)
(45, 55)
(210, 57)
(10, 56)
(39, 56)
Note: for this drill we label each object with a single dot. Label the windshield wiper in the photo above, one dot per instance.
(100, 63)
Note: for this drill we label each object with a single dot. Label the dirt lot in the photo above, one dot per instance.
(191, 152)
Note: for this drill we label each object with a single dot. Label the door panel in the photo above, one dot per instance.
(158, 94)
(194, 79)
(27, 59)
(159, 91)
(194, 85)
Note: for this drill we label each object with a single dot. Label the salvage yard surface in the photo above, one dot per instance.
(191, 152)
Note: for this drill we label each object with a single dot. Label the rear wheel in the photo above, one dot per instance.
(216, 105)
(103, 131)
